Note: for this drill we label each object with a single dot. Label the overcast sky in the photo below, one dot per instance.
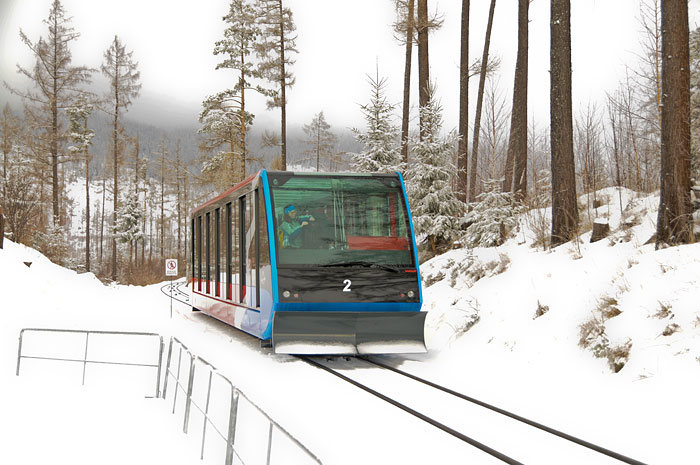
(339, 43)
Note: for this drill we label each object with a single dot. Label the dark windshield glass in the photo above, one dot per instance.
(340, 220)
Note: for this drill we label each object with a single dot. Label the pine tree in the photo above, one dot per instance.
(491, 217)
(462, 151)
(128, 228)
(405, 28)
(380, 152)
(674, 224)
(516, 164)
(57, 82)
(320, 140)
(277, 43)
(222, 126)
(82, 136)
(435, 208)
(123, 75)
(564, 208)
(237, 46)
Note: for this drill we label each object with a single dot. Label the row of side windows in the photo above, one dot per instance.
(229, 245)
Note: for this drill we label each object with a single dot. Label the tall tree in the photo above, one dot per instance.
(57, 83)
(236, 47)
(462, 151)
(674, 224)
(564, 208)
(423, 30)
(405, 27)
(274, 49)
(124, 86)
(321, 140)
(162, 158)
(81, 137)
(479, 102)
(380, 153)
(516, 159)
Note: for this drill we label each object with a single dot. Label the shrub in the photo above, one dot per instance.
(541, 310)
(491, 218)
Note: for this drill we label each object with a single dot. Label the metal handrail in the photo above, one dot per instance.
(85, 359)
(235, 396)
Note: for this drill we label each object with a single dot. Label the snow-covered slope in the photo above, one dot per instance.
(504, 326)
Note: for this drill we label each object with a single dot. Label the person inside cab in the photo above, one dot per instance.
(292, 227)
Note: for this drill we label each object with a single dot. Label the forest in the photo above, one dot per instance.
(98, 192)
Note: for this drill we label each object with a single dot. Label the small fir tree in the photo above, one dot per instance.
(435, 207)
(491, 217)
(381, 151)
(128, 228)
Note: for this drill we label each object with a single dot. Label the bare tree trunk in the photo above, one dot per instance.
(518, 125)
(423, 61)
(674, 225)
(87, 206)
(102, 216)
(479, 103)
(115, 192)
(410, 28)
(564, 208)
(462, 152)
(283, 92)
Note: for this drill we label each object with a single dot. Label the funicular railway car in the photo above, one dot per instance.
(313, 263)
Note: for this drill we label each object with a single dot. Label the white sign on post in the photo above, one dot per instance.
(171, 267)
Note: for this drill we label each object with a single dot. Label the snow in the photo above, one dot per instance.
(503, 326)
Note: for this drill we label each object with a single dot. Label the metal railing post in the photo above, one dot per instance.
(167, 369)
(19, 351)
(87, 336)
(269, 445)
(206, 415)
(160, 366)
(233, 415)
(188, 400)
(177, 379)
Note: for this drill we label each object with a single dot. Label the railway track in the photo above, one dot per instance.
(477, 423)
(177, 293)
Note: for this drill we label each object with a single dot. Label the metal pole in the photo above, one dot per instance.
(171, 297)
(160, 365)
(19, 351)
(188, 400)
(232, 426)
(206, 417)
(269, 444)
(177, 379)
(87, 337)
(167, 369)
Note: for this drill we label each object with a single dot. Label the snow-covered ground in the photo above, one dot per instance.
(504, 326)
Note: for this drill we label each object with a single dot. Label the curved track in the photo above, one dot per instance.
(177, 293)
(351, 372)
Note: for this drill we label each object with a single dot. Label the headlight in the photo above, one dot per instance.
(286, 294)
(410, 294)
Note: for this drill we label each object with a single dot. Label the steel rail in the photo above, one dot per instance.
(514, 416)
(445, 428)
(164, 290)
